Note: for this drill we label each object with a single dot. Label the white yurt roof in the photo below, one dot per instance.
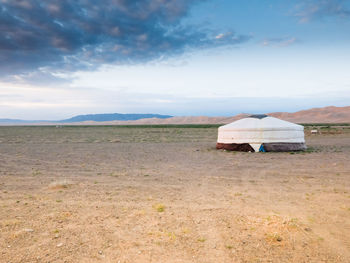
(262, 123)
(258, 129)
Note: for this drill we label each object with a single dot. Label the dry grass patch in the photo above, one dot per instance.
(61, 184)
(10, 223)
(159, 207)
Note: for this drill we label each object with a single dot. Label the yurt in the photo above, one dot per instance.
(261, 133)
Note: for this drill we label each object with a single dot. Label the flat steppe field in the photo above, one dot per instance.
(165, 194)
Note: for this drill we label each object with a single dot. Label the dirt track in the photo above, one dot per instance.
(166, 195)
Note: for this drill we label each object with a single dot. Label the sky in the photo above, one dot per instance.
(60, 58)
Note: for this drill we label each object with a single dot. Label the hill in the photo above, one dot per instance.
(329, 114)
(114, 117)
(316, 115)
(89, 117)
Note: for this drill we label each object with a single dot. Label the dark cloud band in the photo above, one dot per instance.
(67, 35)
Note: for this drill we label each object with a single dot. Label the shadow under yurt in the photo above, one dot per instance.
(261, 133)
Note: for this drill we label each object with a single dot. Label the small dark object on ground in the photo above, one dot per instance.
(241, 147)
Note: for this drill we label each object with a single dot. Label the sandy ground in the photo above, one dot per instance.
(103, 194)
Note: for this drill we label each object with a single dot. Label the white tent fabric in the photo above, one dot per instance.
(256, 131)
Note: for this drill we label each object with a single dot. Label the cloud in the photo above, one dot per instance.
(69, 35)
(315, 9)
(279, 41)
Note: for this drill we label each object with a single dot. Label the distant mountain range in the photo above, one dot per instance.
(316, 115)
(92, 117)
(114, 117)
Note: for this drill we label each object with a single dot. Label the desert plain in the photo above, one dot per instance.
(165, 194)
